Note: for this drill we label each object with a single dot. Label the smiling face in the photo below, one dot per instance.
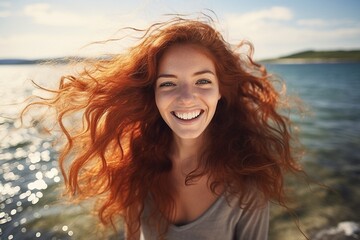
(187, 90)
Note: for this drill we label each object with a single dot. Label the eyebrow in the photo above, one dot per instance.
(195, 74)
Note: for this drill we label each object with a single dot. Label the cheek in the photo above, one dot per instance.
(160, 101)
(213, 103)
(157, 103)
(213, 97)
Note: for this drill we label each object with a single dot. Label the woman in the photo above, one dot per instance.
(180, 136)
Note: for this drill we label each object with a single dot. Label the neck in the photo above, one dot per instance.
(185, 152)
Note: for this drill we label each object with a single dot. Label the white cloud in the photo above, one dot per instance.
(274, 13)
(42, 13)
(45, 14)
(5, 13)
(28, 45)
(4, 9)
(274, 32)
(5, 4)
(71, 33)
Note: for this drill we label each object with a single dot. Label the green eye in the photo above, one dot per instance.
(167, 84)
(203, 81)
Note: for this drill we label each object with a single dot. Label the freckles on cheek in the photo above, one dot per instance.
(159, 102)
(162, 98)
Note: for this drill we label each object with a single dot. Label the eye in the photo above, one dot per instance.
(203, 81)
(167, 84)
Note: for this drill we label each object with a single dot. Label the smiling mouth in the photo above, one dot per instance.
(187, 115)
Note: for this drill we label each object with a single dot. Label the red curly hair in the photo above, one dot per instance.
(118, 150)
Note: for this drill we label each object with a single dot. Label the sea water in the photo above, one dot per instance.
(31, 205)
(330, 127)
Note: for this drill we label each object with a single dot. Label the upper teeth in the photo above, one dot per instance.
(187, 116)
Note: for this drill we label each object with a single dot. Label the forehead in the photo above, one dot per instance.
(186, 56)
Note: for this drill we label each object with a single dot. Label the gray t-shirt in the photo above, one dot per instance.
(224, 220)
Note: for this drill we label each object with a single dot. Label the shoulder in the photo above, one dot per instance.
(236, 208)
(248, 198)
(253, 221)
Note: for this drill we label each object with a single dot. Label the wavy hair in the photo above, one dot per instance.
(118, 149)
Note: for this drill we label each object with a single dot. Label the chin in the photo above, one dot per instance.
(189, 135)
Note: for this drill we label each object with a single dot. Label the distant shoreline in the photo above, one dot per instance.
(54, 61)
(308, 61)
(305, 57)
(18, 62)
(308, 57)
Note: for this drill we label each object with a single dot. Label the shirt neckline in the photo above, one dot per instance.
(203, 216)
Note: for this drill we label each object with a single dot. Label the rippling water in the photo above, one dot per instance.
(331, 131)
(30, 182)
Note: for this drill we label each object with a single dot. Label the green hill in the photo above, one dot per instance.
(320, 56)
(355, 55)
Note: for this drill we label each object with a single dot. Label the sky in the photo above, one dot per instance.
(47, 28)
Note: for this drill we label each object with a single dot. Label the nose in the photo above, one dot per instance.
(186, 94)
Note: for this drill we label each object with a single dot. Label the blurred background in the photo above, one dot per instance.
(314, 46)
